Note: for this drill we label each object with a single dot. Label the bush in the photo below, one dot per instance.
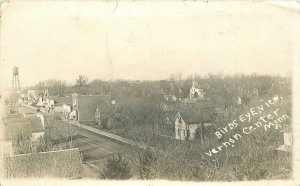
(116, 168)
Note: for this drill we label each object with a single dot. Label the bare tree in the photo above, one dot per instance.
(81, 81)
(54, 87)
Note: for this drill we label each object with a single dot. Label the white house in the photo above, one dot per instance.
(185, 129)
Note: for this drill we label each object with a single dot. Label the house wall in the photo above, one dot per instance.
(180, 129)
(193, 128)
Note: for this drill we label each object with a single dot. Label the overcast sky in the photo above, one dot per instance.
(144, 40)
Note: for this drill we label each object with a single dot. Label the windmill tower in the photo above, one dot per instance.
(15, 80)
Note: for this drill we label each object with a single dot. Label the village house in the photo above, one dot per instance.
(193, 119)
(91, 108)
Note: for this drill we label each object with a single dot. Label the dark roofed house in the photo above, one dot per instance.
(192, 118)
(91, 108)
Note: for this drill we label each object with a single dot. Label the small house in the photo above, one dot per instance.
(192, 120)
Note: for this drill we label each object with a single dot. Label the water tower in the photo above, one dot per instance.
(15, 80)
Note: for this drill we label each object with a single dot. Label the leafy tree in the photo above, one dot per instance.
(116, 168)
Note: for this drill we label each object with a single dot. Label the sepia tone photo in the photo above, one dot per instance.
(193, 91)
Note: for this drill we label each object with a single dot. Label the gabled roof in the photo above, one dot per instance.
(197, 111)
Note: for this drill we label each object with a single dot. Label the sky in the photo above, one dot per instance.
(144, 40)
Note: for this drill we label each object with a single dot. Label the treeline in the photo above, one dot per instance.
(219, 84)
(139, 102)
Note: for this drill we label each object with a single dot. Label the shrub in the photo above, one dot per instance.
(116, 168)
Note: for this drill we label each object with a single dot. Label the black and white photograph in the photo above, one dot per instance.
(172, 91)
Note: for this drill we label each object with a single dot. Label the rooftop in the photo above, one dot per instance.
(87, 106)
(59, 164)
(196, 111)
(61, 100)
(22, 125)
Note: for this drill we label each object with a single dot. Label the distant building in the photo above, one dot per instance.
(197, 91)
